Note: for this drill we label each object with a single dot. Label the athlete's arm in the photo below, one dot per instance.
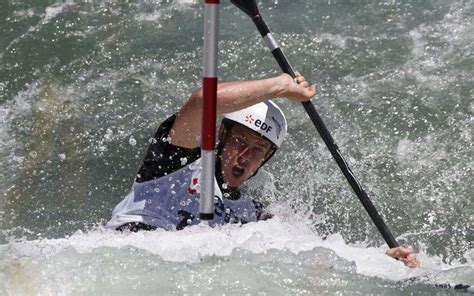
(233, 96)
(406, 255)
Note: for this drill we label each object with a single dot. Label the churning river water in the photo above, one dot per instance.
(84, 85)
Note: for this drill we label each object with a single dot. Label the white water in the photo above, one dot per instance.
(101, 260)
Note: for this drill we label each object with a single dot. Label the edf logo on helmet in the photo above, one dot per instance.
(258, 123)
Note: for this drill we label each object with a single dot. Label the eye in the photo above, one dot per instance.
(259, 151)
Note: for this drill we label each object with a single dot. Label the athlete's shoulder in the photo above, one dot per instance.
(162, 157)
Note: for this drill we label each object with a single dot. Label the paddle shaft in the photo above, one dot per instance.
(336, 153)
(326, 136)
(251, 9)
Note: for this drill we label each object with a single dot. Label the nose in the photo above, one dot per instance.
(244, 156)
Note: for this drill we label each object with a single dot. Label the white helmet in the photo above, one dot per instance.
(265, 118)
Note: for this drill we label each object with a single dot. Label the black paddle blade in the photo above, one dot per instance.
(247, 6)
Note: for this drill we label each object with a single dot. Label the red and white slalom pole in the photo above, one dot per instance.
(208, 135)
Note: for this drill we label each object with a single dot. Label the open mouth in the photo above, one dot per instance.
(237, 171)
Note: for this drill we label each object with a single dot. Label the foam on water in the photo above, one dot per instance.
(195, 244)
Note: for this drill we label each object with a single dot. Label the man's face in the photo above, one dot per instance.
(243, 153)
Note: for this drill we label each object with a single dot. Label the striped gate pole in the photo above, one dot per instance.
(208, 135)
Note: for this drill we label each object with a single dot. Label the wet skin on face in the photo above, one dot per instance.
(243, 153)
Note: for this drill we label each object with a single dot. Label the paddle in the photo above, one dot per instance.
(251, 9)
